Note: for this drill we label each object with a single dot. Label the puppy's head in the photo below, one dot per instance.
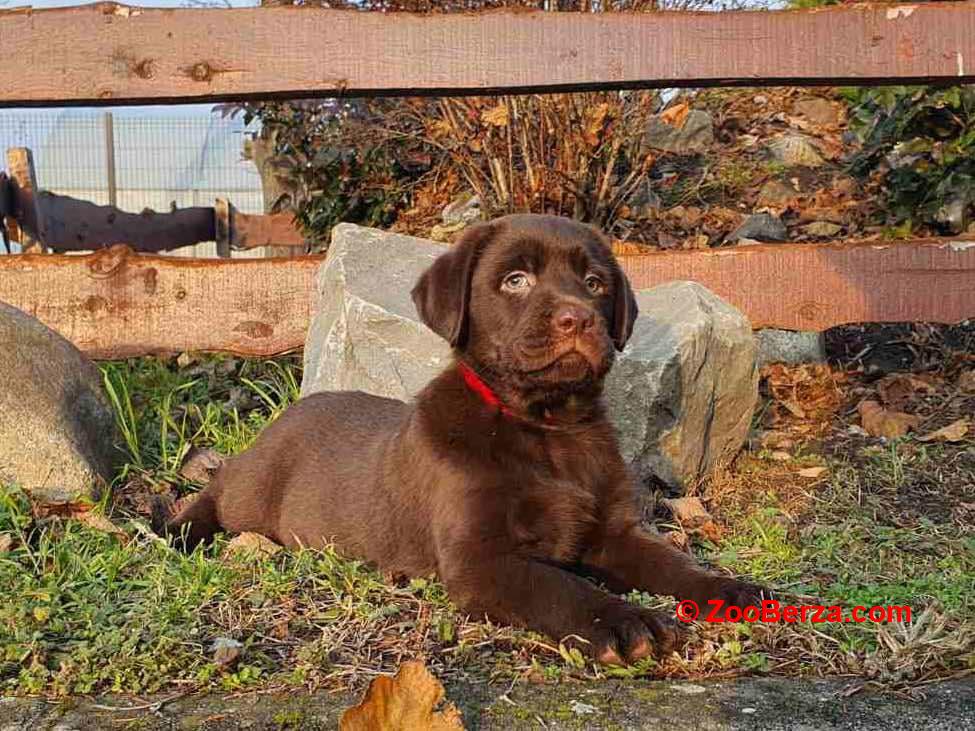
(537, 300)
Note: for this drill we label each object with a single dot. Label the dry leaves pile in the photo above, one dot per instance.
(404, 702)
(804, 399)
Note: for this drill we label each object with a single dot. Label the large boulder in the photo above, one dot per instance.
(365, 334)
(57, 428)
(683, 391)
(681, 395)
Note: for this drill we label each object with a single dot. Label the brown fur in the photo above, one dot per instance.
(509, 509)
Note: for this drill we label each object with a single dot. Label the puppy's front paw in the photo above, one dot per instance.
(624, 633)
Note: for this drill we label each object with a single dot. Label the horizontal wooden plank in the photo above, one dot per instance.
(111, 54)
(819, 286)
(115, 303)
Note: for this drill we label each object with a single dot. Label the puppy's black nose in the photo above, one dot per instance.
(573, 319)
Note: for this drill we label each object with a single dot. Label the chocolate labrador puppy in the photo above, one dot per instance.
(504, 476)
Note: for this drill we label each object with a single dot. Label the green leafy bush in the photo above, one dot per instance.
(918, 144)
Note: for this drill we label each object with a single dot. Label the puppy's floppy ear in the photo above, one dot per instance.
(624, 308)
(442, 294)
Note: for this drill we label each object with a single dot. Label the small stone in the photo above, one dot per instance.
(465, 209)
(953, 215)
(251, 546)
(819, 111)
(790, 347)
(775, 194)
(761, 227)
(796, 150)
(694, 136)
(582, 709)
(644, 202)
(226, 652)
(822, 229)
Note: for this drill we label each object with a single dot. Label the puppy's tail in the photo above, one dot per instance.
(195, 524)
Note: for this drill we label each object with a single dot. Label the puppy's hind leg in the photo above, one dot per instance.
(195, 524)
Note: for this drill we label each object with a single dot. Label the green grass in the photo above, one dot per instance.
(84, 611)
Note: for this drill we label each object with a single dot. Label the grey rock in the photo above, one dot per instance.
(58, 433)
(464, 209)
(822, 229)
(953, 215)
(795, 150)
(788, 346)
(681, 394)
(760, 227)
(683, 391)
(365, 334)
(644, 201)
(696, 135)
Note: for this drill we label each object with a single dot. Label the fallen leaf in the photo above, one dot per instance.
(405, 702)
(781, 456)
(897, 388)
(100, 522)
(496, 116)
(712, 531)
(251, 546)
(199, 465)
(676, 115)
(688, 511)
(966, 381)
(879, 422)
(6, 542)
(226, 652)
(596, 118)
(954, 432)
(62, 510)
(812, 472)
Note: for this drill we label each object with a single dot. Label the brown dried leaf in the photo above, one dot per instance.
(966, 381)
(954, 432)
(594, 125)
(6, 542)
(812, 472)
(496, 116)
(100, 522)
(405, 702)
(689, 511)
(897, 388)
(879, 422)
(676, 115)
(200, 464)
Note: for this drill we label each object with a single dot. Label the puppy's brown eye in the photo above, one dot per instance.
(517, 282)
(594, 284)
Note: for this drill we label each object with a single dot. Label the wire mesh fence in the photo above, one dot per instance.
(139, 161)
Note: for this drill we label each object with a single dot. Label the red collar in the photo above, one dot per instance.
(490, 398)
(484, 392)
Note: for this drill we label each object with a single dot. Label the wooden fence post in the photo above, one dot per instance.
(20, 168)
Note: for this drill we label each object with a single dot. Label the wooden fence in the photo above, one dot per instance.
(115, 303)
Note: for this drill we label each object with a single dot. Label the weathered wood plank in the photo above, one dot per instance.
(111, 54)
(114, 303)
(819, 286)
